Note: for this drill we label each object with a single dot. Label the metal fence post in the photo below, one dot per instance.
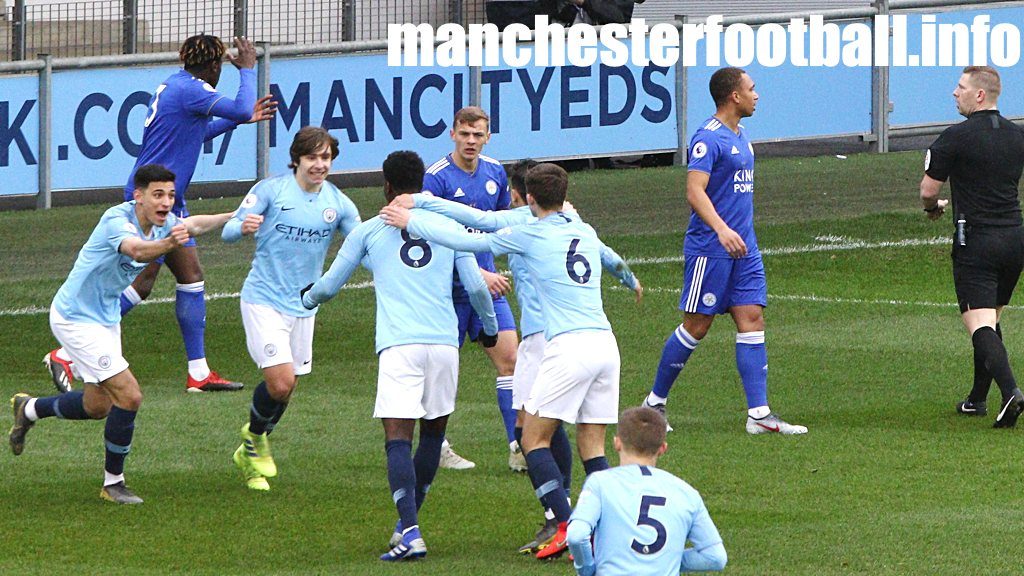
(348, 20)
(18, 31)
(241, 18)
(43, 199)
(455, 11)
(679, 159)
(880, 106)
(130, 30)
(263, 128)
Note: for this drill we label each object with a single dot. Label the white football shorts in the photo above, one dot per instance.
(578, 381)
(528, 358)
(95, 349)
(274, 338)
(417, 381)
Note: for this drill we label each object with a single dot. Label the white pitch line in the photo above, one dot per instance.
(819, 299)
(832, 243)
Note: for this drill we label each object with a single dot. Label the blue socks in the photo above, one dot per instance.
(426, 461)
(677, 351)
(595, 465)
(118, 436)
(65, 406)
(548, 480)
(752, 363)
(190, 307)
(561, 451)
(264, 410)
(129, 299)
(503, 386)
(402, 479)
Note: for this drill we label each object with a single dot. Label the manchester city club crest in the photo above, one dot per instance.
(104, 362)
(492, 187)
(270, 350)
(249, 201)
(330, 215)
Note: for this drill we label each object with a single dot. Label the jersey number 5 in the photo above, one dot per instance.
(572, 259)
(645, 520)
(416, 259)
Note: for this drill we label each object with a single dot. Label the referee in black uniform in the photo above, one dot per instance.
(982, 157)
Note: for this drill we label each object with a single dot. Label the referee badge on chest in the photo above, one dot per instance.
(492, 187)
(709, 299)
(330, 215)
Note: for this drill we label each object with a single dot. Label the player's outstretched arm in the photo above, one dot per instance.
(479, 295)
(578, 536)
(697, 197)
(200, 224)
(469, 216)
(612, 262)
(148, 250)
(443, 231)
(345, 263)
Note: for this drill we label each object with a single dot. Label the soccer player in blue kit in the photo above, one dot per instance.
(180, 119)
(468, 177)
(578, 379)
(724, 272)
(639, 517)
(417, 341)
(86, 320)
(293, 217)
(531, 318)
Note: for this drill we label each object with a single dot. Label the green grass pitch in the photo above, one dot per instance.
(865, 346)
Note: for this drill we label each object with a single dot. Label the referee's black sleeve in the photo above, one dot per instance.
(941, 155)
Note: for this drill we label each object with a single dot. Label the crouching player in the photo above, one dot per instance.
(294, 217)
(86, 319)
(670, 512)
(417, 340)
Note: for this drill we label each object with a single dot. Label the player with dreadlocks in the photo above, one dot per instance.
(181, 117)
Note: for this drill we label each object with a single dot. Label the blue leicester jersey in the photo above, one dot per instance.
(485, 189)
(292, 242)
(641, 518)
(413, 281)
(180, 120)
(531, 317)
(562, 256)
(728, 159)
(91, 294)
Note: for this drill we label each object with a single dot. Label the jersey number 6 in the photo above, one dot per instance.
(572, 258)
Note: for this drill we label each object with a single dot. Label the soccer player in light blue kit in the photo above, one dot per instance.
(578, 379)
(724, 272)
(85, 319)
(180, 119)
(471, 178)
(531, 319)
(294, 217)
(640, 517)
(417, 341)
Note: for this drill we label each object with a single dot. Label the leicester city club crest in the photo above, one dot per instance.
(492, 187)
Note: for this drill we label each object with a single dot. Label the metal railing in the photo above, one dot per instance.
(108, 27)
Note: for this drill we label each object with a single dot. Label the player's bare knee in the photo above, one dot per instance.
(280, 389)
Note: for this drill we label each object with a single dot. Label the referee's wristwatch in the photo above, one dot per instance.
(934, 209)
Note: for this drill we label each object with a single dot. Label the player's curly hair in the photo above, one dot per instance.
(200, 50)
(404, 171)
(724, 82)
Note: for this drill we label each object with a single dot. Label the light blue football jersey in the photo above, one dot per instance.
(562, 255)
(292, 242)
(179, 120)
(91, 294)
(728, 159)
(641, 518)
(531, 317)
(413, 281)
(484, 189)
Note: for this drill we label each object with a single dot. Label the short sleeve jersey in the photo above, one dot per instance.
(91, 294)
(562, 256)
(484, 189)
(641, 519)
(176, 126)
(412, 279)
(292, 242)
(728, 160)
(982, 157)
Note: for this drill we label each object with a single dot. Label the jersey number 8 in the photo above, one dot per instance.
(412, 259)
